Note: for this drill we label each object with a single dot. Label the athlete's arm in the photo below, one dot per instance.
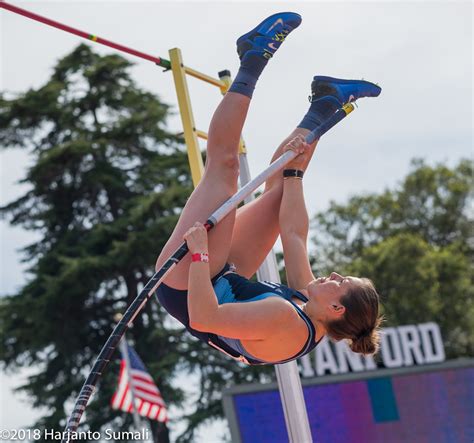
(294, 226)
(247, 321)
(250, 321)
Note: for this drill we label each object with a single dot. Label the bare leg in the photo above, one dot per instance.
(217, 185)
(255, 48)
(256, 227)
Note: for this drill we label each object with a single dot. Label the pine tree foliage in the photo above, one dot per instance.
(416, 243)
(106, 187)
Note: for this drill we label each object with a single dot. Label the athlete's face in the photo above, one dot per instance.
(325, 293)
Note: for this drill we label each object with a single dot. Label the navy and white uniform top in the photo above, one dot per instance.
(233, 288)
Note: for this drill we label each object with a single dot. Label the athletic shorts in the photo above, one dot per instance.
(175, 302)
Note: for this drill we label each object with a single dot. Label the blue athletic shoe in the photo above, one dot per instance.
(344, 90)
(267, 37)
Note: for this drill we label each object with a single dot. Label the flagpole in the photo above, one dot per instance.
(124, 350)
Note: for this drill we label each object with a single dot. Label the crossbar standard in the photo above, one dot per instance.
(290, 399)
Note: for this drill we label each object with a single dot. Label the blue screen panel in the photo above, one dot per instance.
(426, 407)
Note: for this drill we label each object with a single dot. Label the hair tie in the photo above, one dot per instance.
(363, 334)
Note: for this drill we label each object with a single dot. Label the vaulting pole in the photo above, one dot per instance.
(149, 289)
(288, 376)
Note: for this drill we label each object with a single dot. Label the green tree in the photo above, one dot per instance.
(415, 242)
(107, 184)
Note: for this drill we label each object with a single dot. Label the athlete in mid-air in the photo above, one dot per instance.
(209, 291)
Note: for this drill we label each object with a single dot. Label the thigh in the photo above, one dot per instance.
(175, 302)
(205, 199)
(255, 232)
(257, 224)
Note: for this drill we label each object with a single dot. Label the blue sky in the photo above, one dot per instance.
(420, 53)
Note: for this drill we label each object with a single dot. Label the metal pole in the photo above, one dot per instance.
(288, 377)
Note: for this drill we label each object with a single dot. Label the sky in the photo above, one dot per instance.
(420, 53)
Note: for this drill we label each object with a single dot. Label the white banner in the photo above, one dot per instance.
(400, 346)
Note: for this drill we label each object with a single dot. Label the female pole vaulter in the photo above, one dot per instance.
(209, 291)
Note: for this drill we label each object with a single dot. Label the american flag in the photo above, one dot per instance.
(148, 400)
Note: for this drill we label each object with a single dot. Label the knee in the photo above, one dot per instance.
(231, 165)
(226, 166)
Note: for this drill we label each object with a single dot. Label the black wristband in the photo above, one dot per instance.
(293, 173)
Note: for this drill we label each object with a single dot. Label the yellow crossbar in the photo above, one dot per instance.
(207, 78)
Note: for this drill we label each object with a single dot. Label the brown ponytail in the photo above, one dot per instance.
(360, 323)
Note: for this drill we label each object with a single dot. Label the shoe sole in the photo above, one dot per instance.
(271, 17)
(342, 81)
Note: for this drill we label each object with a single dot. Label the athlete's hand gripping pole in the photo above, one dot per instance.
(148, 290)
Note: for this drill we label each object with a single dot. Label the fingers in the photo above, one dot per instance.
(196, 228)
(297, 144)
(196, 238)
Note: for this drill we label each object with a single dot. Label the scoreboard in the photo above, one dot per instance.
(433, 403)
